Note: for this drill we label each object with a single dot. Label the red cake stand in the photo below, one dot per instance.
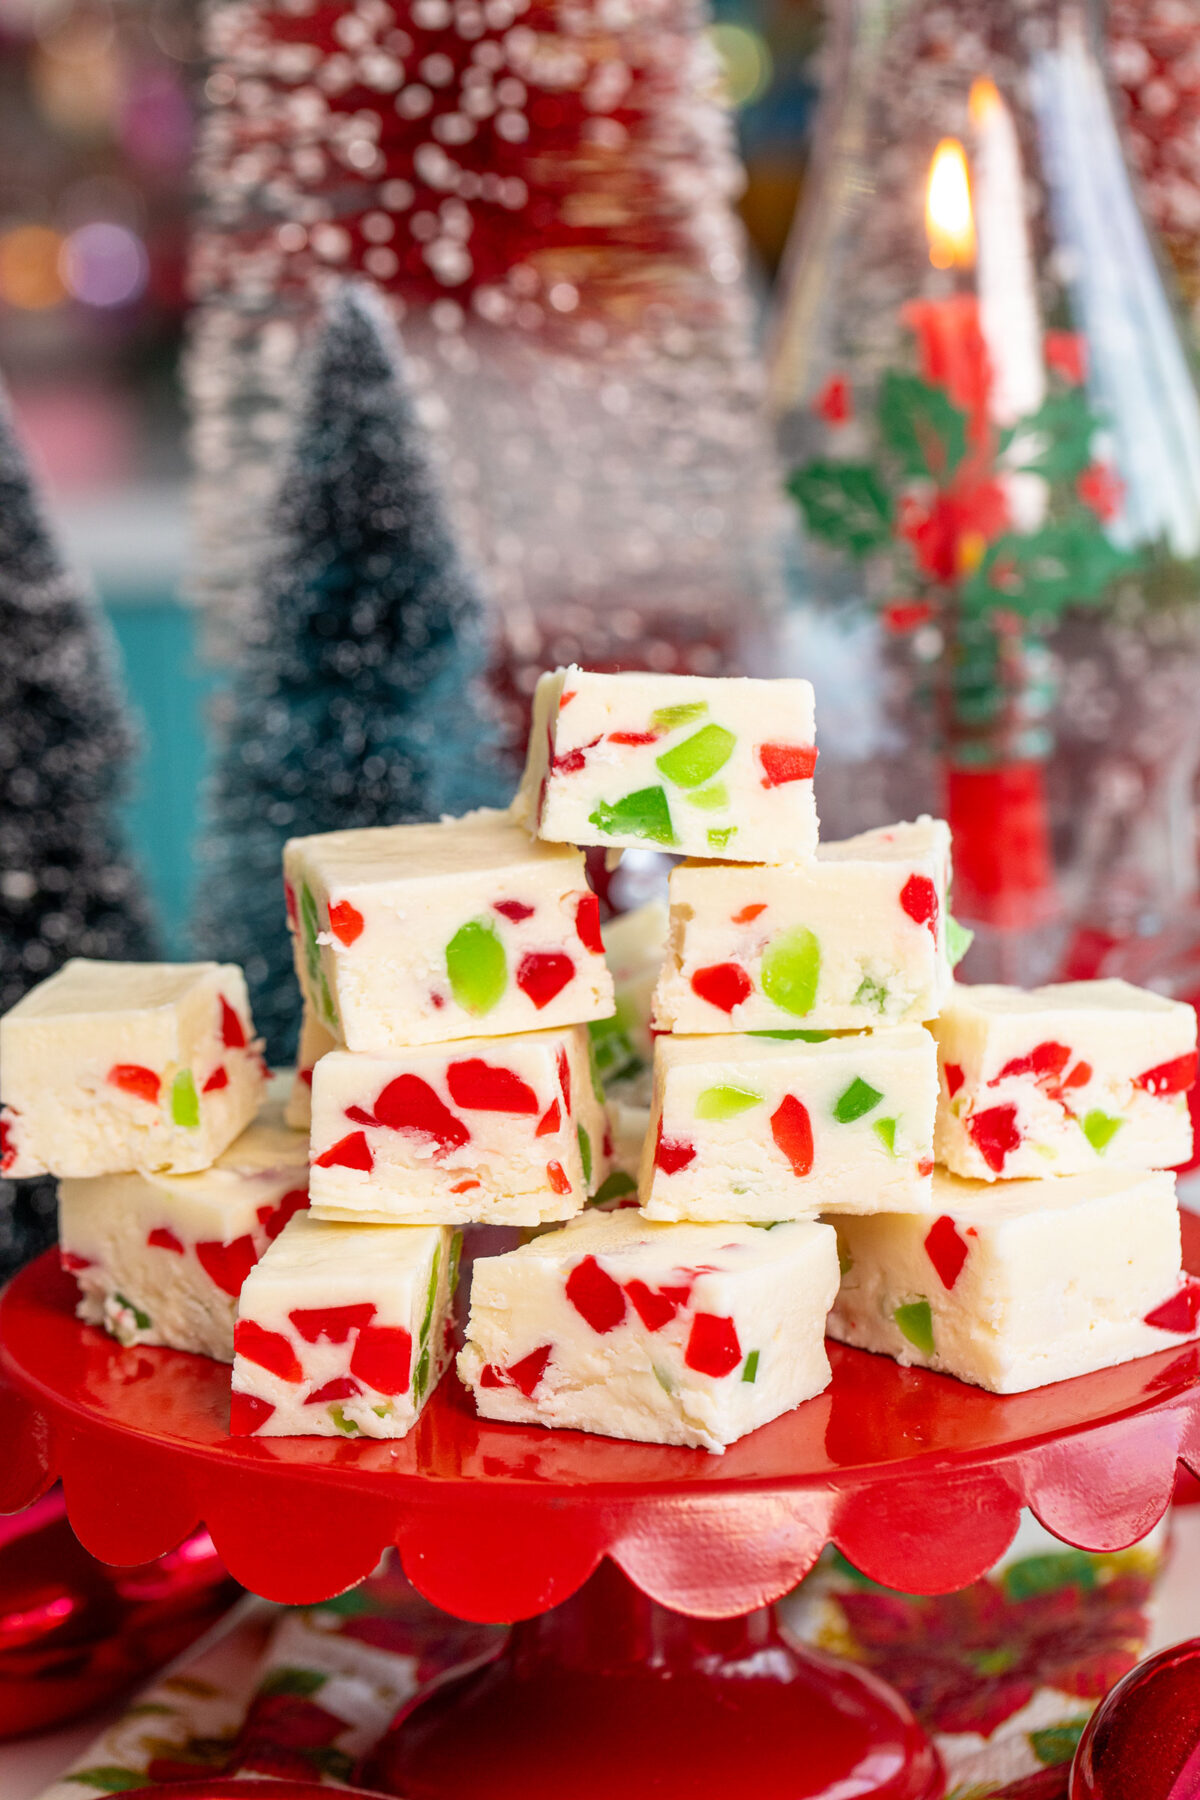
(917, 1478)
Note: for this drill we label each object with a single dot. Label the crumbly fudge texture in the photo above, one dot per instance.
(707, 767)
(1062, 1080)
(672, 1334)
(343, 1330)
(414, 934)
(508, 1130)
(1015, 1284)
(851, 941)
(762, 1128)
(107, 1067)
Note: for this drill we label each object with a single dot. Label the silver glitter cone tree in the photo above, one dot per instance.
(543, 189)
(68, 886)
(353, 703)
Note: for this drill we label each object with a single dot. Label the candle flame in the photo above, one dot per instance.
(949, 220)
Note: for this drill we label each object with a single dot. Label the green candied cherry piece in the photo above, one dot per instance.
(1100, 1129)
(421, 1376)
(791, 1037)
(311, 923)
(477, 966)
(725, 1102)
(697, 759)
(916, 1322)
(791, 969)
(663, 1379)
(958, 940)
(750, 1367)
(382, 1412)
(613, 1048)
(717, 840)
(185, 1101)
(670, 718)
(342, 1422)
(871, 993)
(140, 1319)
(456, 1243)
(431, 1294)
(614, 1188)
(857, 1100)
(644, 814)
(585, 1153)
(885, 1131)
(709, 799)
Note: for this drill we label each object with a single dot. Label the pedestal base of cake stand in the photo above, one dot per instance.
(610, 1693)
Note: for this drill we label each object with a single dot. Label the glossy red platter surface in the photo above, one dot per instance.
(917, 1478)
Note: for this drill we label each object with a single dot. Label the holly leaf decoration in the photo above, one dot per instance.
(921, 426)
(1056, 440)
(1039, 573)
(844, 503)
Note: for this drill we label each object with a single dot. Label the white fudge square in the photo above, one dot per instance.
(1063, 1079)
(343, 1330)
(853, 940)
(635, 944)
(107, 1067)
(705, 766)
(413, 934)
(669, 1334)
(760, 1129)
(160, 1259)
(507, 1130)
(315, 1042)
(1019, 1283)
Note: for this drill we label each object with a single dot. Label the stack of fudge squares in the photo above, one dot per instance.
(809, 1128)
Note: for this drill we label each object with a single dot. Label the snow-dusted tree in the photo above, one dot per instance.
(353, 704)
(67, 884)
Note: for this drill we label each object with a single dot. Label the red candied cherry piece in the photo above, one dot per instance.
(656, 1307)
(556, 1175)
(672, 1154)
(564, 1077)
(486, 1087)
(464, 1187)
(712, 1346)
(383, 1357)
(332, 1322)
(161, 1238)
(1044, 1062)
(596, 1297)
(8, 1145)
(133, 1078)
(550, 1120)
(723, 985)
(341, 1388)
(954, 1078)
(1079, 1076)
(524, 1374)
(233, 1032)
(345, 922)
(246, 1413)
(1181, 1311)
(633, 737)
(305, 1076)
(289, 900)
(350, 1152)
(1174, 1077)
(946, 1250)
(216, 1081)
(918, 898)
(543, 974)
(227, 1265)
(70, 1261)
(294, 1201)
(782, 763)
(748, 914)
(791, 1128)
(410, 1104)
(587, 924)
(571, 761)
(270, 1350)
(516, 910)
(925, 1166)
(565, 699)
(994, 1134)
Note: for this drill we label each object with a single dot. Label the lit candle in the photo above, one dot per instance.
(949, 219)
